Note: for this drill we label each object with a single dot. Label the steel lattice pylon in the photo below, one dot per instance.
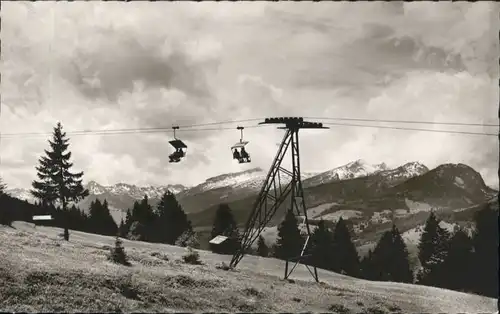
(273, 194)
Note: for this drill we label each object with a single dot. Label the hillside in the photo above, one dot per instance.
(226, 188)
(36, 266)
(381, 195)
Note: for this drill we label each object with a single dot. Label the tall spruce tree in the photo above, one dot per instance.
(458, 268)
(225, 225)
(147, 216)
(389, 260)
(122, 231)
(368, 267)
(5, 211)
(433, 248)
(142, 220)
(77, 219)
(135, 212)
(485, 241)
(128, 223)
(400, 265)
(56, 181)
(100, 220)
(262, 248)
(3, 187)
(290, 241)
(322, 248)
(346, 257)
(171, 221)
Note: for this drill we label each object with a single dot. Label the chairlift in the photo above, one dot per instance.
(180, 148)
(242, 156)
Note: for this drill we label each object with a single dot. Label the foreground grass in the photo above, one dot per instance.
(41, 273)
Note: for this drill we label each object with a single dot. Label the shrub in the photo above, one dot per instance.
(117, 254)
(188, 239)
(192, 257)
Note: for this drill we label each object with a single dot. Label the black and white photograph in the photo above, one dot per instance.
(249, 157)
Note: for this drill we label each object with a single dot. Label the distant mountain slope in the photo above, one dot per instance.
(451, 185)
(405, 191)
(355, 169)
(226, 188)
(241, 185)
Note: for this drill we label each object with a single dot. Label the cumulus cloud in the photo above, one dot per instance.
(97, 65)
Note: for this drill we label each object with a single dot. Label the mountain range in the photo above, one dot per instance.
(370, 196)
(223, 188)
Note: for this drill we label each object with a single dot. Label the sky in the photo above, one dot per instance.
(112, 65)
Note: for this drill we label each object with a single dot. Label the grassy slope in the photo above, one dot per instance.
(39, 272)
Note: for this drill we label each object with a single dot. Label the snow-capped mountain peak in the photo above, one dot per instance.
(22, 194)
(252, 178)
(406, 171)
(231, 179)
(354, 169)
(138, 192)
(95, 188)
(361, 167)
(414, 168)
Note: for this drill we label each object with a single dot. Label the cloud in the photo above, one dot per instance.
(97, 65)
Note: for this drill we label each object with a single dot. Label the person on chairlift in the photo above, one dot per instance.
(175, 156)
(179, 152)
(236, 154)
(244, 153)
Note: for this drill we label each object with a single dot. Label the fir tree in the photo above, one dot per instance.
(456, 273)
(117, 254)
(142, 219)
(485, 241)
(346, 257)
(400, 265)
(290, 241)
(433, 248)
(57, 182)
(77, 219)
(322, 249)
(128, 222)
(135, 214)
(171, 221)
(368, 267)
(100, 219)
(262, 248)
(5, 211)
(225, 225)
(122, 229)
(389, 260)
(147, 214)
(3, 187)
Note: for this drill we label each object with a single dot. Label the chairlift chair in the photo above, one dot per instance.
(242, 156)
(180, 148)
